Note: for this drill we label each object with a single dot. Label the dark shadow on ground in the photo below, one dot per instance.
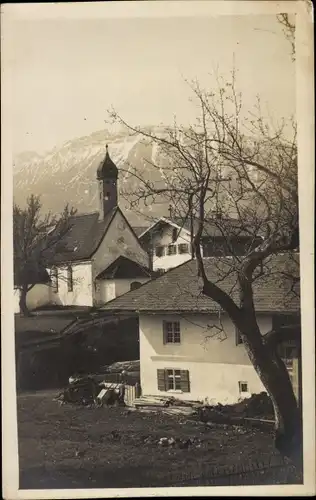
(125, 477)
(107, 477)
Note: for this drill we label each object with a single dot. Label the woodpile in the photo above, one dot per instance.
(152, 401)
(168, 405)
(127, 366)
(86, 391)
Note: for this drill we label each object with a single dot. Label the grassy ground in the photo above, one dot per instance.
(72, 447)
(42, 325)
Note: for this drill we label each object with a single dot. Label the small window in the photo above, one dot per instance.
(243, 387)
(160, 251)
(135, 285)
(171, 332)
(172, 249)
(288, 353)
(183, 248)
(69, 279)
(174, 234)
(54, 278)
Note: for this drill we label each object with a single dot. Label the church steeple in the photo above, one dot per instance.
(107, 175)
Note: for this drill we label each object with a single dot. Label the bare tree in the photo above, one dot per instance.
(34, 238)
(238, 163)
(288, 30)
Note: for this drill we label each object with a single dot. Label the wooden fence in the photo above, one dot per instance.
(131, 391)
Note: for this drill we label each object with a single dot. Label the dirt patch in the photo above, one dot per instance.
(258, 406)
(73, 446)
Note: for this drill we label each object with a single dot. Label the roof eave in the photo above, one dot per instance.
(191, 311)
(167, 221)
(69, 261)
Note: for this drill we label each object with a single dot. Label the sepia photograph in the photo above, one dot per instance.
(157, 236)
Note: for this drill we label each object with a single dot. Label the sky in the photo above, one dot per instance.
(66, 73)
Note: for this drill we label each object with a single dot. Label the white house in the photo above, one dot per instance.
(101, 255)
(189, 347)
(168, 241)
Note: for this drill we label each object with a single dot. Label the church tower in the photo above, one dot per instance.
(107, 175)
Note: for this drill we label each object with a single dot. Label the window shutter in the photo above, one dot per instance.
(161, 380)
(185, 381)
(164, 331)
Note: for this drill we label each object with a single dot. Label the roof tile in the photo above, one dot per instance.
(83, 237)
(180, 289)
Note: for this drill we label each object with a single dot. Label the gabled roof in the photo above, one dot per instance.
(83, 238)
(180, 289)
(161, 220)
(215, 228)
(123, 267)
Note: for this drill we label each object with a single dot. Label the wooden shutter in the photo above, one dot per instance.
(161, 380)
(185, 381)
(164, 332)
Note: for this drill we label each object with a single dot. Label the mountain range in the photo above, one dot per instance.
(68, 173)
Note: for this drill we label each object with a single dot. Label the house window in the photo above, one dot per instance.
(183, 248)
(174, 234)
(288, 352)
(172, 249)
(70, 284)
(171, 379)
(160, 251)
(243, 387)
(54, 278)
(135, 285)
(279, 320)
(171, 332)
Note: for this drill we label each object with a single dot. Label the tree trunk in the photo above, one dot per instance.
(274, 376)
(24, 311)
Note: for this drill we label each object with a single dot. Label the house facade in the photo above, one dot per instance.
(189, 347)
(168, 244)
(184, 356)
(169, 241)
(101, 256)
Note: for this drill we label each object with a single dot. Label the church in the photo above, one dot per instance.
(101, 257)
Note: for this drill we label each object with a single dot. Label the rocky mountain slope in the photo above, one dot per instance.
(68, 173)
